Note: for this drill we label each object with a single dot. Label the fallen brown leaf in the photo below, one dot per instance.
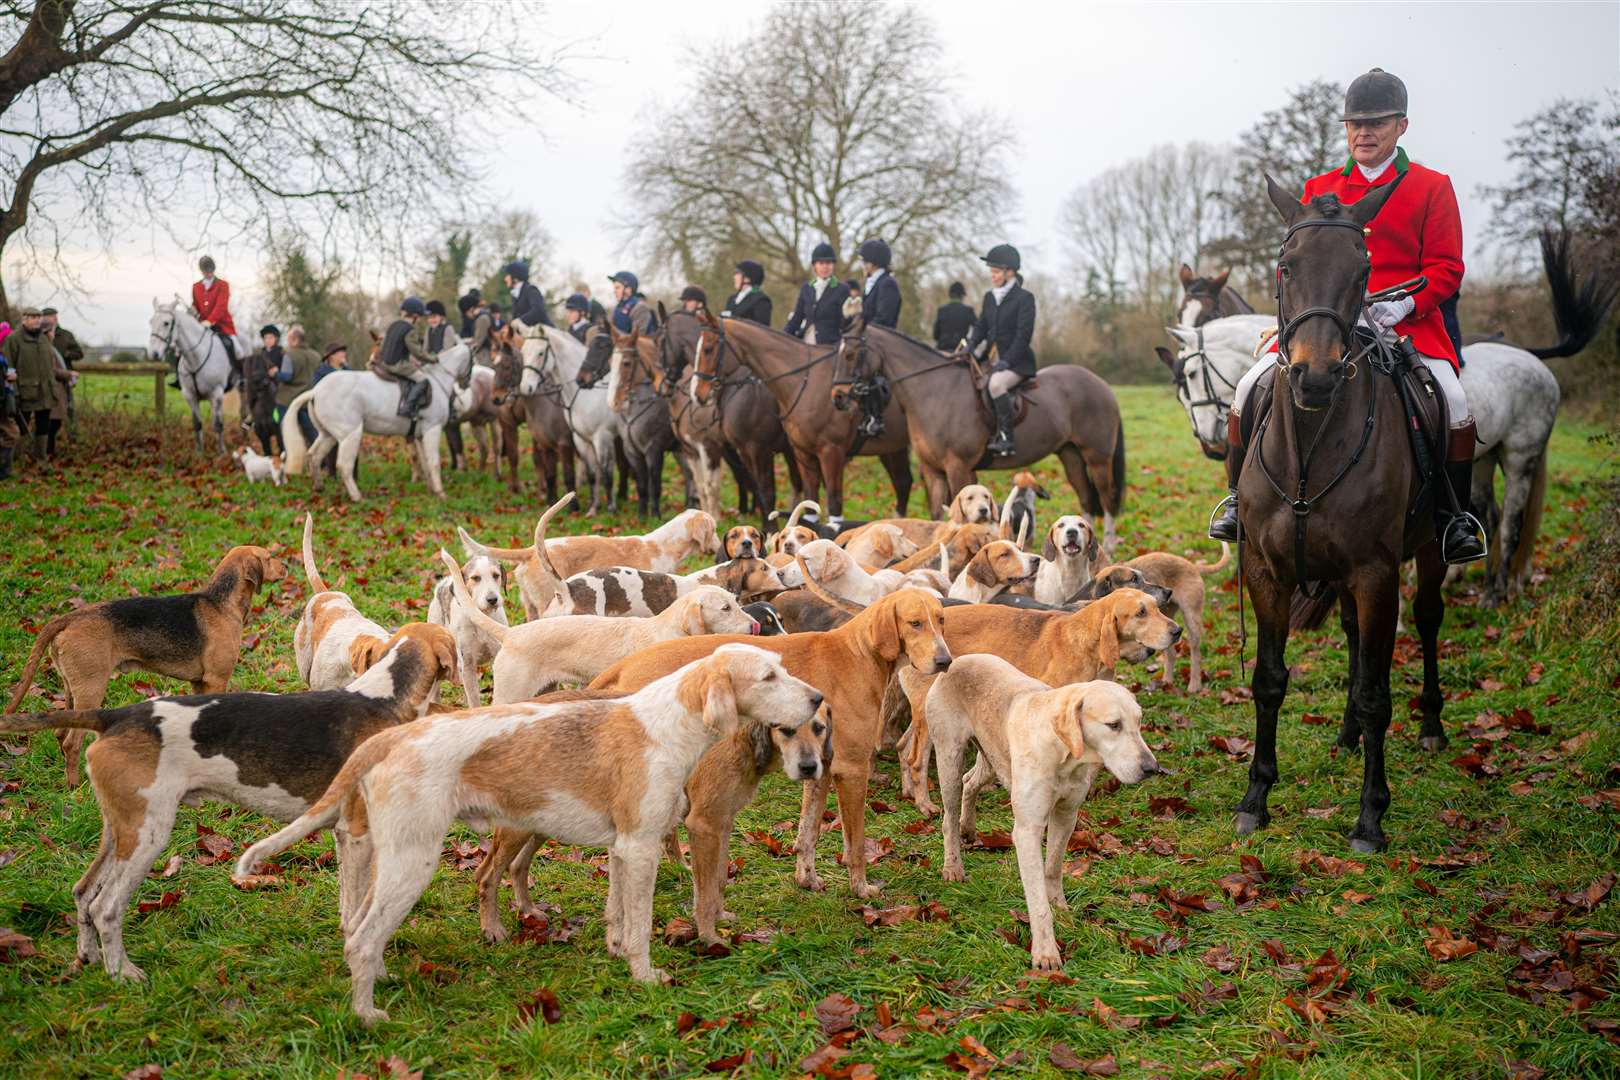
(836, 1012)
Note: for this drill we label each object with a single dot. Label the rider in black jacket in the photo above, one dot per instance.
(1005, 329)
(818, 315)
(880, 304)
(750, 301)
(528, 305)
(953, 320)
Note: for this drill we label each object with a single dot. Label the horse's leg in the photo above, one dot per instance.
(810, 470)
(761, 465)
(348, 453)
(1519, 476)
(1350, 726)
(621, 458)
(832, 460)
(898, 465)
(795, 477)
(216, 405)
(428, 447)
(958, 475)
(196, 415)
(1429, 611)
(1378, 601)
(1269, 685)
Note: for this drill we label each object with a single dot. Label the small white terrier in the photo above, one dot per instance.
(258, 467)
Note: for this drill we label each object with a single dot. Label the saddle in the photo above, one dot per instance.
(981, 387)
(377, 368)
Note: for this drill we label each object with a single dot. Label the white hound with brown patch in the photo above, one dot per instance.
(1066, 560)
(605, 772)
(332, 642)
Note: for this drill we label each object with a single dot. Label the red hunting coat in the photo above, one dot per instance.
(214, 305)
(1418, 231)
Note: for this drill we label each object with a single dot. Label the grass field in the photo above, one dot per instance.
(1482, 944)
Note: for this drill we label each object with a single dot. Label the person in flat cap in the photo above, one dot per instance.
(32, 360)
(260, 372)
(694, 301)
(297, 374)
(953, 319)
(1002, 335)
(880, 299)
(71, 352)
(1417, 231)
(404, 352)
(578, 309)
(528, 305)
(749, 301)
(630, 309)
(818, 313)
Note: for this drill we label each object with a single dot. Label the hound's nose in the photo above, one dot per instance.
(942, 661)
(1175, 633)
(1152, 766)
(808, 770)
(815, 700)
(1074, 536)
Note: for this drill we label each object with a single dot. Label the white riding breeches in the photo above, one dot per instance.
(1003, 382)
(1444, 375)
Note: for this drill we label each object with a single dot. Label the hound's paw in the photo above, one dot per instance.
(725, 916)
(370, 1015)
(496, 934)
(809, 879)
(952, 873)
(925, 808)
(866, 890)
(128, 972)
(1046, 958)
(654, 976)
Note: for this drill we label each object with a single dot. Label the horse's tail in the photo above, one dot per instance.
(1306, 612)
(316, 585)
(1578, 310)
(1533, 504)
(292, 436)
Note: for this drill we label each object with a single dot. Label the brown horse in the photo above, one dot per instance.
(643, 421)
(1327, 486)
(1204, 299)
(552, 439)
(800, 378)
(736, 424)
(1072, 413)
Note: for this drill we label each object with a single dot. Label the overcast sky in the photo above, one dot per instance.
(1084, 86)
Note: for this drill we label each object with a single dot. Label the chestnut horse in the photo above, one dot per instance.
(800, 378)
(735, 424)
(1327, 486)
(1072, 413)
(1205, 299)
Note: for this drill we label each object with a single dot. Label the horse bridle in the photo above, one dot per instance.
(168, 347)
(1211, 395)
(548, 386)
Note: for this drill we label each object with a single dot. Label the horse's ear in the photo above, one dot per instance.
(155, 304)
(1187, 277)
(1182, 335)
(375, 337)
(1366, 208)
(1219, 280)
(1167, 356)
(663, 316)
(1286, 204)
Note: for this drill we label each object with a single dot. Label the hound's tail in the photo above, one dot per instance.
(316, 585)
(41, 643)
(1578, 310)
(523, 554)
(821, 593)
(292, 436)
(1004, 526)
(808, 505)
(542, 556)
(1210, 568)
(88, 719)
(325, 810)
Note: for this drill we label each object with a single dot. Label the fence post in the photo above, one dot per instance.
(157, 393)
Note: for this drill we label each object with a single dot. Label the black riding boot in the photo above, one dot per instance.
(1462, 538)
(1223, 524)
(1006, 411)
(411, 402)
(174, 368)
(5, 463)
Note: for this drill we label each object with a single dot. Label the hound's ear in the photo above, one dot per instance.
(759, 739)
(1288, 206)
(834, 564)
(1093, 552)
(719, 699)
(980, 570)
(1187, 276)
(1041, 493)
(886, 633)
(694, 618)
(1066, 723)
(444, 651)
(364, 652)
(954, 511)
(1108, 640)
(271, 568)
(1050, 551)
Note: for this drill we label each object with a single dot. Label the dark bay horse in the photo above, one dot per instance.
(800, 378)
(1324, 497)
(551, 437)
(736, 421)
(1205, 299)
(1072, 413)
(644, 423)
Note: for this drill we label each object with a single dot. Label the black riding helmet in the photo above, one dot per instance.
(752, 272)
(1004, 256)
(823, 252)
(1375, 95)
(875, 252)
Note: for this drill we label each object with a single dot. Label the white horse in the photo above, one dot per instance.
(1512, 394)
(204, 365)
(551, 361)
(347, 405)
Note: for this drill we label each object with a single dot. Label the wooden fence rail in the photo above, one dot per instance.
(160, 376)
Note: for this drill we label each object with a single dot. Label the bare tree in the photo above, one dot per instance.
(832, 122)
(1555, 152)
(322, 114)
(1292, 143)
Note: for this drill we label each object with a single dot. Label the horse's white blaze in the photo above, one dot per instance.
(1190, 310)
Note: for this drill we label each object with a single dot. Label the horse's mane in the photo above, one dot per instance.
(906, 337)
(783, 334)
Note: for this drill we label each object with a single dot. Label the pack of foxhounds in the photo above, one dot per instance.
(632, 699)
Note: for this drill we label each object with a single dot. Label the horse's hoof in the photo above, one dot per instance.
(1432, 743)
(1247, 823)
(1362, 846)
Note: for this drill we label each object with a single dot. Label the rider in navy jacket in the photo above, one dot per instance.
(818, 314)
(528, 306)
(880, 303)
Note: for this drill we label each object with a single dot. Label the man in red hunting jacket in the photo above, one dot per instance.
(211, 302)
(1418, 231)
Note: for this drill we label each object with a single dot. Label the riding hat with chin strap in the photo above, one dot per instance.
(1374, 96)
(875, 252)
(1003, 257)
(823, 252)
